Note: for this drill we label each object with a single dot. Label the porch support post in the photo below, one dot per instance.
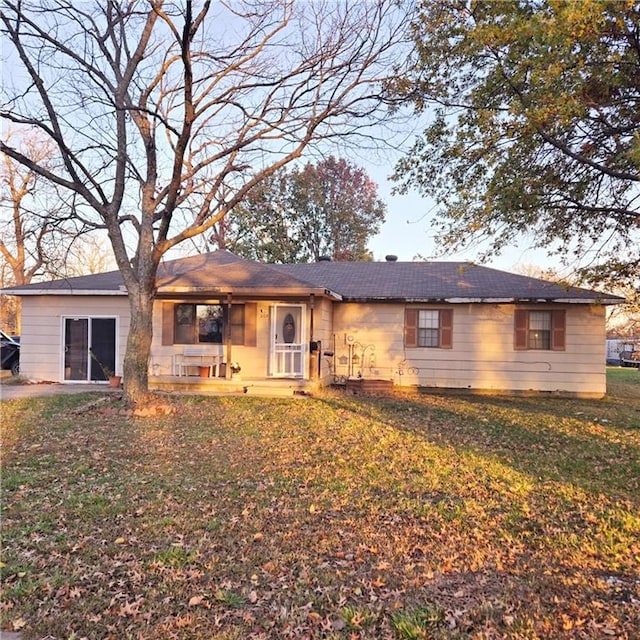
(227, 369)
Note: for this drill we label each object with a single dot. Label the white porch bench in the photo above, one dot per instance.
(194, 357)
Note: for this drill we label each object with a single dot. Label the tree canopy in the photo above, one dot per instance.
(535, 127)
(330, 208)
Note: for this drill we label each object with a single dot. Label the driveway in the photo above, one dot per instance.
(18, 391)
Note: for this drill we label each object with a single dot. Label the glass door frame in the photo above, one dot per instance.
(88, 364)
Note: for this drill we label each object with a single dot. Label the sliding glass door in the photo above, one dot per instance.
(89, 348)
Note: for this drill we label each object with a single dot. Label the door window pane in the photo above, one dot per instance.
(76, 345)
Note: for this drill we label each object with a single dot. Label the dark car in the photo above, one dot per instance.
(9, 353)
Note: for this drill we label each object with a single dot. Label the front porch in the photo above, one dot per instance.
(233, 386)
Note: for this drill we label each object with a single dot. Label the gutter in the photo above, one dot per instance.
(164, 292)
(487, 300)
(169, 291)
(63, 292)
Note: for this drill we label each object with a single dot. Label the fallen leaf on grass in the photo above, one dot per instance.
(269, 567)
(129, 609)
(18, 624)
(194, 601)
(338, 625)
(183, 621)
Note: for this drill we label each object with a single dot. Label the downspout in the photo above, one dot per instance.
(312, 354)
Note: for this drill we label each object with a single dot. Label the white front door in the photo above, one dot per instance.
(288, 341)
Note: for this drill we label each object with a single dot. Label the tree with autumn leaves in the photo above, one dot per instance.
(298, 215)
(534, 127)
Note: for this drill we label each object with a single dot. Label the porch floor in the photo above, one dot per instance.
(236, 386)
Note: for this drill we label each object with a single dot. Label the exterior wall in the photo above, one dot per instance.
(42, 333)
(483, 355)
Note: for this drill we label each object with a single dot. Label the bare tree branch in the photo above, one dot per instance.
(165, 119)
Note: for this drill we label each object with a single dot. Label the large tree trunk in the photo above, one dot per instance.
(137, 355)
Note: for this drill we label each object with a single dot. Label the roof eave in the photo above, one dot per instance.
(483, 300)
(521, 300)
(276, 292)
(602, 301)
(63, 292)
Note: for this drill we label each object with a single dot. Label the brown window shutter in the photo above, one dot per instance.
(250, 324)
(520, 341)
(236, 324)
(410, 327)
(558, 330)
(446, 328)
(167, 323)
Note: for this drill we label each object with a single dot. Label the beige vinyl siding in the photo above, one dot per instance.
(323, 331)
(42, 334)
(375, 332)
(482, 354)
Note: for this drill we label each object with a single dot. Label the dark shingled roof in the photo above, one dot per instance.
(425, 281)
(222, 271)
(216, 271)
(108, 283)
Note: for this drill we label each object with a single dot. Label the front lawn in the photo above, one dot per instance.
(426, 516)
(623, 381)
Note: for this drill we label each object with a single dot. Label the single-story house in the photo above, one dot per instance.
(425, 324)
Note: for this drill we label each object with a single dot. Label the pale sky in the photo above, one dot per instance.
(406, 232)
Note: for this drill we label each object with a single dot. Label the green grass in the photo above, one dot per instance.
(441, 517)
(623, 382)
(415, 623)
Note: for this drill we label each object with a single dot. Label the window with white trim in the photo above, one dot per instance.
(430, 328)
(539, 330)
